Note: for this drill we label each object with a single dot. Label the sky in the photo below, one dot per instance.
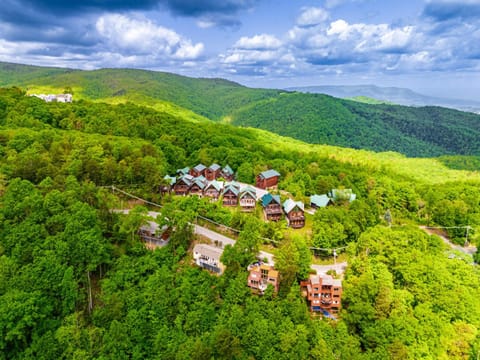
(430, 46)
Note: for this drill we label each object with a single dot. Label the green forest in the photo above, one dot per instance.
(313, 118)
(76, 282)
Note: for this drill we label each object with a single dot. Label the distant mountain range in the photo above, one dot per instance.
(400, 96)
(314, 118)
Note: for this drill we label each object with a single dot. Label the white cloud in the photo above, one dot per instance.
(258, 42)
(312, 16)
(142, 37)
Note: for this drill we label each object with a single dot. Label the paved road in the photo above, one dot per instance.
(469, 250)
(213, 235)
(225, 240)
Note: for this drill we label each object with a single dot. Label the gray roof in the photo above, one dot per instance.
(199, 167)
(208, 250)
(214, 167)
(325, 279)
(249, 190)
(218, 185)
(269, 174)
(233, 187)
(200, 181)
(319, 200)
(289, 205)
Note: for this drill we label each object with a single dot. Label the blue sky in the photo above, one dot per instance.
(431, 46)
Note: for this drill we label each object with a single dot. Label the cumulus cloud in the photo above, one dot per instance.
(132, 36)
(258, 42)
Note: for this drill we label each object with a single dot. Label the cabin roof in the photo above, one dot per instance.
(208, 250)
(171, 179)
(227, 170)
(199, 167)
(289, 205)
(269, 174)
(268, 198)
(319, 200)
(214, 167)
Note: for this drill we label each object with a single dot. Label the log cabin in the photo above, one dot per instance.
(198, 170)
(213, 172)
(267, 179)
(248, 199)
(295, 213)
(213, 189)
(272, 207)
(230, 194)
(182, 186)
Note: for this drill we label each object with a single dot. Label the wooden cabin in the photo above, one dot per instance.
(248, 199)
(227, 173)
(182, 186)
(230, 194)
(198, 170)
(323, 293)
(268, 179)
(320, 201)
(213, 189)
(198, 185)
(272, 207)
(262, 275)
(295, 213)
(213, 172)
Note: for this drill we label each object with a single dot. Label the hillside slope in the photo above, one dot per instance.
(317, 119)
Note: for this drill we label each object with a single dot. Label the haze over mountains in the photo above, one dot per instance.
(397, 95)
(313, 118)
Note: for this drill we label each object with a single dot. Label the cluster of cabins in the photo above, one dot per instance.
(322, 291)
(64, 98)
(215, 182)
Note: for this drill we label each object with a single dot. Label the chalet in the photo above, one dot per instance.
(230, 194)
(182, 186)
(208, 257)
(198, 170)
(213, 189)
(272, 207)
(323, 293)
(227, 173)
(198, 185)
(184, 171)
(248, 198)
(260, 276)
(295, 213)
(267, 179)
(320, 201)
(342, 195)
(168, 184)
(213, 172)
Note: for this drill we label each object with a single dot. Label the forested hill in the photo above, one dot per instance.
(315, 118)
(76, 282)
(414, 131)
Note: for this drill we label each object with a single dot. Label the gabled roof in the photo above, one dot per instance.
(268, 198)
(171, 179)
(269, 174)
(250, 191)
(233, 187)
(186, 179)
(227, 170)
(289, 205)
(183, 171)
(199, 168)
(319, 200)
(214, 167)
(217, 185)
(200, 181)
